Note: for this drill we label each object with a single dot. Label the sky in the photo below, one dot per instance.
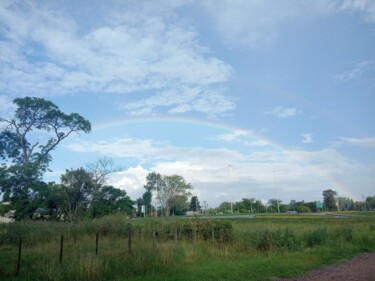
(243, 98)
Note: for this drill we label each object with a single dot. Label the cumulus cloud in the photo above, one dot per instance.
(48, 50)
(251, 170)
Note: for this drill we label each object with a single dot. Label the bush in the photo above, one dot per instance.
(345, 232)
(303, 209)
(316, 237)
(289, 240)
(264, 242)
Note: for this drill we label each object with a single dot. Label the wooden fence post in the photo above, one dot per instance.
(130, 240)
(153, 239)
(19, 256)
(97, 244)
(61, 248)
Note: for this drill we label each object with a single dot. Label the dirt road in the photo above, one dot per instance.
(360, 268)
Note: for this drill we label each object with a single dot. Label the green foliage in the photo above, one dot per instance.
(194, 254)
(329, 200)
(170, 190)
(278, 239)
(316, 237)
(264, 242)
(303, 209)
(27, 157)
(194, 204)
(370, 200)
(286, 239)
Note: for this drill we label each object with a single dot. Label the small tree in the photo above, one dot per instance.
(194, 204)
(77, 186)
(370, 200)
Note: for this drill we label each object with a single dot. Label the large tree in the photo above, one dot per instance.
(26, 141)
(168, 190)
(329, 200)
(110, 200)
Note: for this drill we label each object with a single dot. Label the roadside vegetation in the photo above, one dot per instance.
(116, 248)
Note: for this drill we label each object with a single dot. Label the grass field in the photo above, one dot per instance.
(182, 248)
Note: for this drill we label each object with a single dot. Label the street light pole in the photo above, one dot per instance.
(274, 186)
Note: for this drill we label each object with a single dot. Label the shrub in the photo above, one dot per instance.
(264, 242)
(303, 209)
(345, 232)
(316, 237)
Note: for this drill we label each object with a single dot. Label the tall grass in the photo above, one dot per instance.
(180, 249)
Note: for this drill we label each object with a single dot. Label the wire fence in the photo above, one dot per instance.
(24, 236)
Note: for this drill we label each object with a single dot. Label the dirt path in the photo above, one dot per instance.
(360, 268)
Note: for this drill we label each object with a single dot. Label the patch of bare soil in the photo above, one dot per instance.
(360, 268)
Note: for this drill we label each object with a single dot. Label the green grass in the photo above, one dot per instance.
(241, 249)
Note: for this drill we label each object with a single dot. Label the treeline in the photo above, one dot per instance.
(80, 194)
(252, 205)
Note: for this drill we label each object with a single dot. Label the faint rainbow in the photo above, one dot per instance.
(250, 134)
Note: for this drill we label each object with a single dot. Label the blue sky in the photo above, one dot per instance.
(242, 98)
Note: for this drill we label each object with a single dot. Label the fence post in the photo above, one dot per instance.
(97, 243)
(19, 256)
(130, 240)
(61, 248)
(153, 239)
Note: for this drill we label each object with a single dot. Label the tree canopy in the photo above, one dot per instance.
(26, 141)
(169, 190)
(329, 200)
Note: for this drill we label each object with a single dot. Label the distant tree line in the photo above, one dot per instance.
(331, 202)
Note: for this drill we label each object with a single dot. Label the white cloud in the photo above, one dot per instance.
(299, 174)
(242, 136)
(50, 51)
(282, 112)
(208, 101)
(366, 7)
(362, 142)
(131, 180)
(255, 23)
(358, 69)
(307, 138)
(233, 135)
(7, 107)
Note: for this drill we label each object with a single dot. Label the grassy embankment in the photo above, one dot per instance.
(182, 249)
